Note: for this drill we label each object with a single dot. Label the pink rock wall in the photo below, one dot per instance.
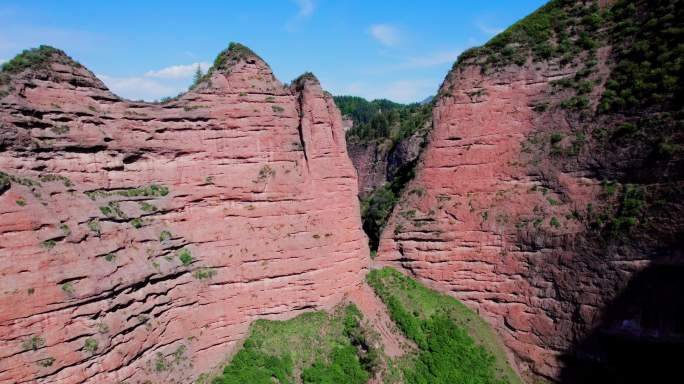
(490, 220)
(247, 209)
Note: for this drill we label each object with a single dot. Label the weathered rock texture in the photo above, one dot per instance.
(139, 240)
(502, 214)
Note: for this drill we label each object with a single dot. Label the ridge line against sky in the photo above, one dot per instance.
(148, 50)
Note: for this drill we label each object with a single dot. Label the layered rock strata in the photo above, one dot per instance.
(139, 240)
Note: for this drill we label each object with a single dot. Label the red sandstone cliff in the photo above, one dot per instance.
(545, 216)
(138, 240)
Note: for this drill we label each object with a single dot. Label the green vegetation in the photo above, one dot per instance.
(94, 226)
(384, 123)
(382, 119)
(147, 207)
(112, 209)
(49, 244)
(90, 345)
(68, 288)
(137, 223)
(36, 58)
(204, 273)
(110, 257)
(46, 362)
(197, 77)
(102, 328)
(152, 190)
(33, 343)
(48, 178)
(455, 345)
(165, 235)
(21, 202)
(559, 29)
(647, 41)
(265, 173)
(60, 130)
(185, 256)
(315, 347)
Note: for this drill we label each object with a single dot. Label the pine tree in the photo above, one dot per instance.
(197, 77)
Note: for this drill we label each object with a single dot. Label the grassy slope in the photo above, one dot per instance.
(412, 305)
(314, 347)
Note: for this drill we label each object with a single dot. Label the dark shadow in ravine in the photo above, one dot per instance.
(641, 335)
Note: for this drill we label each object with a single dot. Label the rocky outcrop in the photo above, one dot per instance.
(139, 240)
(532, 205)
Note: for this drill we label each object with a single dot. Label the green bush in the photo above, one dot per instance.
(165, 235)
(34, 58)
(33, 343)
(255, 367)
(344, 367)
(185, 256)
(90, 345)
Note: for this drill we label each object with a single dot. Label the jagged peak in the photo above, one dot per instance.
(235, 53)
(306, 78)
(38, 59)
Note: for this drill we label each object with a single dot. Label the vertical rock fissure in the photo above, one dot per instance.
(300, 110)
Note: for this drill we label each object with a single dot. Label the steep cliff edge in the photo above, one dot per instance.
(549, 197)
(139, 240)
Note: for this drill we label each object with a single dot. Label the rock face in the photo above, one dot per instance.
(139, 240)
(502, 214)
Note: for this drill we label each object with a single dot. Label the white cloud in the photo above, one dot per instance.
(178, 71)
(135, 88)
(2, 60)
(487, 29)
(385, 34)
(306, 7)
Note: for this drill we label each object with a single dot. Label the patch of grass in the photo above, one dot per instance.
(49, 244)
(554, 222)
(46, 362)
(33, 343)
(315, 347)
(66, 231)
(94, 226)
(21, 202)
(90, 345)
(152, 190)
(165, 235)
(455, 345)
(185, 256)
(277, 108)
(204, 273)
(265, 173)
(147, 207)
(68, 288)
(137, 223)
(160, 363)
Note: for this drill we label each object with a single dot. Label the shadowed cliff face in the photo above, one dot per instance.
(140, 240)
(549, 195)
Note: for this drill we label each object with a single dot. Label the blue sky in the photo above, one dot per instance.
(400, 50)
